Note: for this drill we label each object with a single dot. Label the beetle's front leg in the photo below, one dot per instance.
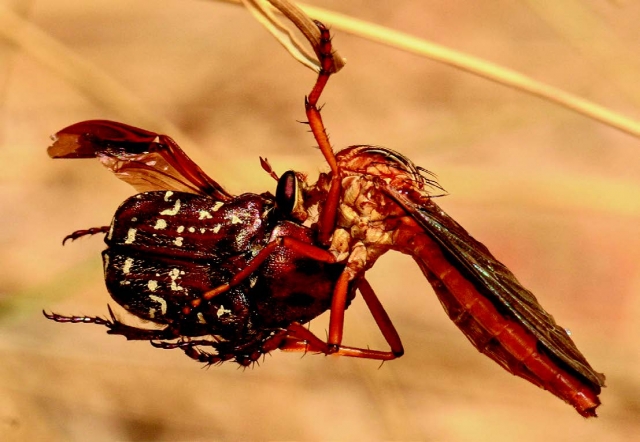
(116, 327)
(80, 233)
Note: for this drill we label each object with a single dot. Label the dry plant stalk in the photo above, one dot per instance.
(264, 12)
(477, 66)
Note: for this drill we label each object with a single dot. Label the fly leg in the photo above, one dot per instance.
(80, 233)
(301, 339)
(328, 215)
(303, 248)
(115, 327)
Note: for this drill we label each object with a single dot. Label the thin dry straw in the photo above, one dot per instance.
(482, 68)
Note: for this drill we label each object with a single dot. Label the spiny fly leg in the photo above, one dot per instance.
(330, 208)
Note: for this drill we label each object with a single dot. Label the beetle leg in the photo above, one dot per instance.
(77, 319)
(307, 250)
(330, 209)
(80, 233)
(115, 327)
(203, 356)
(183, 343)
(244, 354)
(218, 358)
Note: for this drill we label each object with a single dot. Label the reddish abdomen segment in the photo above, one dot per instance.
(500, 337)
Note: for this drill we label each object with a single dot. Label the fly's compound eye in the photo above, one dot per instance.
(287, 192)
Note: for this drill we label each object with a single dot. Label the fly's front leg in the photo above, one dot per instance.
(330, 208)
(303, 248)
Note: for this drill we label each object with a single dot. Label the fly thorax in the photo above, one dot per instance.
(364, 211)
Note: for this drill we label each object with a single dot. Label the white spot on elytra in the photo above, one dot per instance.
(204, 214)
(217, 206)
(235, 220)
(178, 241)
(152, 313)
(131, 236)
(253, 281)
(201, 318)
(168, 195)
(173, 211)
(192, 229)
(175, 274)
(127, 265)
(180, 229)
(153, 285)
(202, 230)
(216, 229)
(161, 301)
(222, 311)
(160, 224)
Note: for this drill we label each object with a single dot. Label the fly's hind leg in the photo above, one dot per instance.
(301, 339)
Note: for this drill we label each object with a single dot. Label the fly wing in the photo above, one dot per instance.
(494, 281)
(144, 159)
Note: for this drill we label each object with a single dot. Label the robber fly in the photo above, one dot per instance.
(242, 274)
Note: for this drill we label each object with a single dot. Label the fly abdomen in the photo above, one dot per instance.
(494, 333)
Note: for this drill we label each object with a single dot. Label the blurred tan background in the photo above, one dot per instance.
(552, 194)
